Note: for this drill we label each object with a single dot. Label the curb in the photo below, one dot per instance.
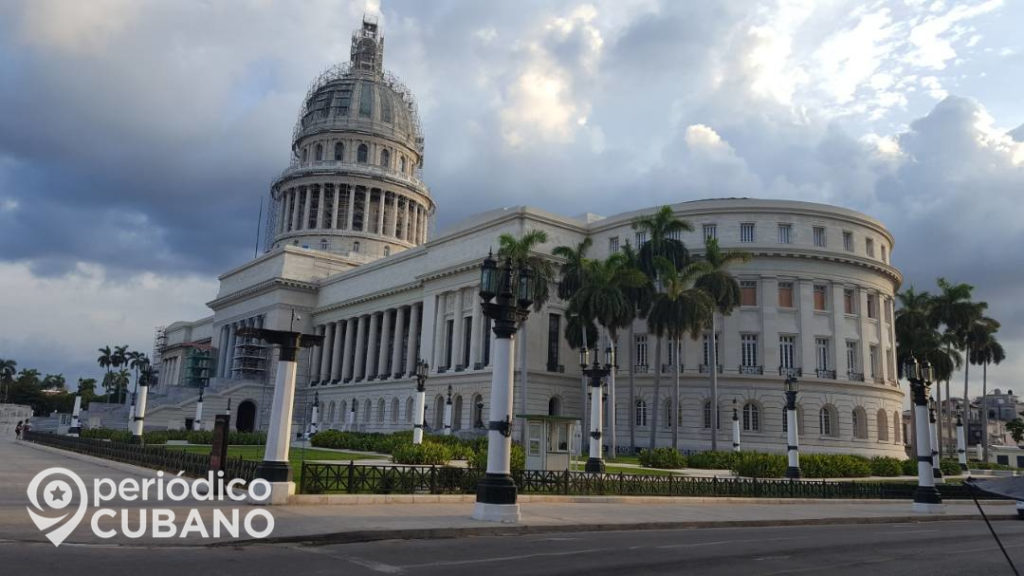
(384, 499)
(358, 536)
(103, 462)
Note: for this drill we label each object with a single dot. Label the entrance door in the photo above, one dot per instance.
(246, 419)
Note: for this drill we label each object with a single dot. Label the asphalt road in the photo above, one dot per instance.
(936, 548)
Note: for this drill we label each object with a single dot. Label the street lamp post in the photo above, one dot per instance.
(961, 448)
(197, 424)
(595, 462)
(926, 497)
(933, 435)
(735, 428)
(141, 396)
(792, 438)
(275, 468)
(448, 413)
(314, 417)
(511, 292)
(419, 416)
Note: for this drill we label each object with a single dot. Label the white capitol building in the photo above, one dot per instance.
(349, 256)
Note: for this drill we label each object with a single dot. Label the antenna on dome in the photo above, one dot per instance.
(259, 222)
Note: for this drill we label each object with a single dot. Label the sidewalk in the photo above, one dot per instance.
(363, 518)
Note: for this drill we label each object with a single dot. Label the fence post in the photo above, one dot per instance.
(433, 479)
(351, 477)
(565, 482)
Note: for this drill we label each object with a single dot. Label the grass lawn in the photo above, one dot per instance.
(296, 455)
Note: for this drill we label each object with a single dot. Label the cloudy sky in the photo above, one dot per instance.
(137, 137)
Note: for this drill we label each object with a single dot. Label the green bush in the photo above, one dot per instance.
(662, 458)
(712, 460)
(834, 466)
(886, 466)
(909, 467)
(759, 464)
(426, 453)
(949, 467)
(978, 465)
(361, 441)
(518, 463)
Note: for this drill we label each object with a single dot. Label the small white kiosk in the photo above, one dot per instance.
(549, 441)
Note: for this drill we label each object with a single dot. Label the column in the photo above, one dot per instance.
(440, 309)
(768, 299)
(865, 330)
(295, 208)
(424, 224)
(360, 350)
(414, 223)
(371, 346)
(351, 205)
(320, 208)
(458, 327)
(281, 212)
(478, 334)
(804, 299)
(350, 346)
(385, 339)
(393, 231)
(414, 334)
(319, 357)
(307, 193)
(230, 360)
(339, 336)
(396, 345)
(337, 207)
(222, 343)
(380, 214)
(324, 352)
(407, 226)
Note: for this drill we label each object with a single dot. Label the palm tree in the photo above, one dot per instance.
(570, 279)
(681, 307)
(53, 382)
(985, 350)
(520, 251)
(87, 389)
(724, 291)
(602, 297)
(662, 230)
(117, 359)
(8, 368)
(640, 298)
(914, 327)
(953, 310)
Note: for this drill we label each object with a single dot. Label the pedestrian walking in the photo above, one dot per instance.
(17, 431)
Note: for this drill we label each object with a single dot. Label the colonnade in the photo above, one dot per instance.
(376, 346)
(337, 206)
(240, 357)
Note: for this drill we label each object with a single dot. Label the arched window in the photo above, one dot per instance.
(385, 158)
(668, 413)
(394, 410)
(401, 164)
(555, 406)
(827, 421)
(355, 412)
(478, 411)
(366, 410)
(883, 426)
(339, 151)
(408, 410)
(457, 413)
(380, 411)
(330, 412)
(305, 154)
(342, 408)
(319, 152)
(641, 412)
(387, 250)
(751, 417)
(324, 244)
(362, 154)
(355, 246)
(707, 414)
(897, 427)
(860, 423)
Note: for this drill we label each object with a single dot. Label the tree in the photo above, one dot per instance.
(8, 368)
(53, 382)
(984, 350)
(105, 360)
(571, 270)
(662, 230)
(723, 289)
(120, 358)
(640, 298)
(602, 297)
(1016, 429)
(87, 389)
(680, 307)
(520, 251)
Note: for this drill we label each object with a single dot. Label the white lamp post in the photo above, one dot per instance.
(197, 423)
(792, 438)
(735, 428)
(933, 435)
(141, 396)
(595, 462)
(926, 497)
(419, 416)
(961, 448)
(512, 294)
(448, 413)
(314, 417)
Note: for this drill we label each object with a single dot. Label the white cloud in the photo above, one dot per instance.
(932, 38)
(77, 27)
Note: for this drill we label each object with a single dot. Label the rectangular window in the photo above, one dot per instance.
(848, 241)
(707, 350)
(467, 340)
(641, 350)
(785, 233)
(748, 293)
(366, 99)
(869, 247)
(873, 361)
(641, 239)
(849, 303)
(822, 346)
(449, 335)
(819, 236)
(885, 255)
(785, 294)
(486, 344)
(820, 298)
(787, 351)
(748, 349)
(873, 306)
(851, 356)
(554, 326)
(710, 232)
(613, 244)
(747, 232)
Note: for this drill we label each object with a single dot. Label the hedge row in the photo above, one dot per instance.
(765, 465)
(435, 450)
(662, 458)
(162, 436)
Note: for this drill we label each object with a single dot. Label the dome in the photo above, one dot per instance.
(360, 96)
